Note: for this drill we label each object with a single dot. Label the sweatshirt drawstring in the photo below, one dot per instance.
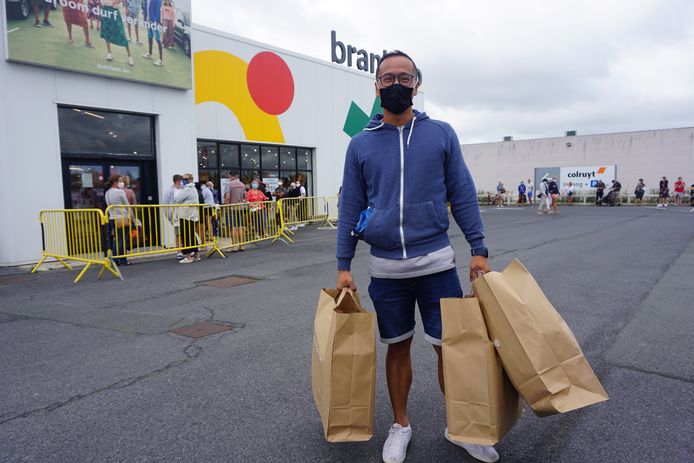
(411, 131)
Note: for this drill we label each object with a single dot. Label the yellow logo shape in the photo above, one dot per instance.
(220, 77)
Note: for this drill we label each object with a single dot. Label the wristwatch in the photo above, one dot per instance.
(484, 252)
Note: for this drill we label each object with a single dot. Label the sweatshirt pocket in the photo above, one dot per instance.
(424, 220)
(383, 230)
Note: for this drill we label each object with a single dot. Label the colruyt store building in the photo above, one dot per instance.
(70, 117)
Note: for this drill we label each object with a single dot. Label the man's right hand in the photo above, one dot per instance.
(345, 280)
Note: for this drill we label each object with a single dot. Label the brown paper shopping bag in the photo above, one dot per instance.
(481, 403)
(537, 348)
(343, 366)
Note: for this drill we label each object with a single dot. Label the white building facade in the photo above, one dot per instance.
(648, 154)
(254, 109)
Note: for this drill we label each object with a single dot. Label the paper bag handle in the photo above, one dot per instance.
(341, 296)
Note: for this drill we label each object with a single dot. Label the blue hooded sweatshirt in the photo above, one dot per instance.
(408, 174)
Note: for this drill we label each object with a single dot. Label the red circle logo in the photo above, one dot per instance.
(270, 83)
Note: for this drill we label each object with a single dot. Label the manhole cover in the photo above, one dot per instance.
(228, 282)
(200, 330)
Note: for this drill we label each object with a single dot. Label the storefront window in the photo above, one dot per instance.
(229, 158)
(86, 132)
(270, 157)
(207, 156)
(96, 145)
(288, 158)
(303, 159)
(250, 157)
(269, 162)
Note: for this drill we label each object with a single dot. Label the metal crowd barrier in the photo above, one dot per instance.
(331, 204)
(120, 232)
(74, 234)
(305, 210)
(245, 223)
(145, 230)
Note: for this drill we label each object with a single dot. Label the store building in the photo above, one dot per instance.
(246, 107)
(628, 156)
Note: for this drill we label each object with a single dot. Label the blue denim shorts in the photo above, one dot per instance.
(394, 301)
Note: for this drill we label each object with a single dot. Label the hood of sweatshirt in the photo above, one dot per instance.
(377, 123)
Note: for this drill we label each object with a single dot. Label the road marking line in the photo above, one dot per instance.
(12, 30)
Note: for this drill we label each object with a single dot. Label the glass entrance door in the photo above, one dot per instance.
(86, 186)
(133, 172)
(85, 181)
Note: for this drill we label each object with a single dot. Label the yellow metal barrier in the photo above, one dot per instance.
(74, 234)
(144, 230)
(331, 205)
(304, 210)
(109, 238)
(245, 223)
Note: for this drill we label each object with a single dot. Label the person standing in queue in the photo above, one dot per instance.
(188, 218)
(569, 191)
(554, 195)
(411, 256)
(639, 192)
(663, 192)
(119, 216)
(599, 192)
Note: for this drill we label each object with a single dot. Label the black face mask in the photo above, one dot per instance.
(396, 98)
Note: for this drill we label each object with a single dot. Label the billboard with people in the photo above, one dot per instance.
(139, 40)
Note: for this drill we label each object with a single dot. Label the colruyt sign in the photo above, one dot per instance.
(586, 177)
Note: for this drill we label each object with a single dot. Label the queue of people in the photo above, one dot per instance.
(197, 218)
(547, 201)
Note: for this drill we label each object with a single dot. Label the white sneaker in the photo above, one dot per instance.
(158, 63)
(109, 57)
(147, 56)
(130, 61)
(485, 453)
(186, 260)
(395, 448)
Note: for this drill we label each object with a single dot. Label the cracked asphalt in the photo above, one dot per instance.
(92, 373)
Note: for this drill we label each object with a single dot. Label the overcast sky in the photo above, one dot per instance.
(525, 68)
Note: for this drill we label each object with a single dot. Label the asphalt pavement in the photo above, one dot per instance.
(93, 373)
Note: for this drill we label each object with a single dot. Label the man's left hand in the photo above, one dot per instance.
(479, 265)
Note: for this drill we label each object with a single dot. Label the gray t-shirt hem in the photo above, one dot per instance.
(434, 262)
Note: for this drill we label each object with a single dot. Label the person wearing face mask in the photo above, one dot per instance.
(411, 257)
(290, 208)
(118, 218)
(188, 218)
(255, 199)
(169, 196)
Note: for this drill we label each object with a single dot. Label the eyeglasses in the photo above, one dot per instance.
(405, 79)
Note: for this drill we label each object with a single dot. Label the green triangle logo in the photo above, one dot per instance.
(357, 119)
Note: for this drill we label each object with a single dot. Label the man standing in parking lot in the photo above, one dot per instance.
(411, 256)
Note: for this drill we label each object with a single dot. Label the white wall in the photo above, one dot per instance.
(30, 146)
(648, 154)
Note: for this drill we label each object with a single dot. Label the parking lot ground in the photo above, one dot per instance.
(94, 371)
